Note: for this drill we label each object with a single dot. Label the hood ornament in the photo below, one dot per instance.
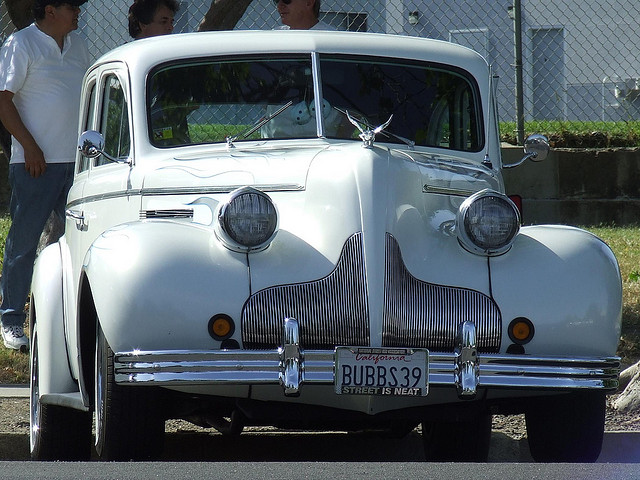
(367, 134)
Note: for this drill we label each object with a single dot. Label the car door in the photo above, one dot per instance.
(100, 197)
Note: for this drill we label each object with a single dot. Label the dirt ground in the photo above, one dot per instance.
(14, 418)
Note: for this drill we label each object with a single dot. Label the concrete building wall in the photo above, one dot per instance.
(577, 186)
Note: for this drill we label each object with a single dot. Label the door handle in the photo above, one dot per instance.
(78, 216)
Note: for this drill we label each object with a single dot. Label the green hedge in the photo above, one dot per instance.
(578, 134)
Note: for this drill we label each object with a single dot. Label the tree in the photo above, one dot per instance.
(19, 12)
(223, 14)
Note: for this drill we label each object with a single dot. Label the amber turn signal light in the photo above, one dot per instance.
(521, 330)
(221, 327)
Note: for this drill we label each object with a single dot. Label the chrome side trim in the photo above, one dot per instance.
(265, 367)
(330, 311)
(173, 213)
(208, 190)
(422, 314)
(426, 188)
(162, 191)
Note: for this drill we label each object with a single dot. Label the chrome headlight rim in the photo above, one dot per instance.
(225, 232)
(465, 225)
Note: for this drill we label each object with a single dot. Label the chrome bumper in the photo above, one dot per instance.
(292, 367)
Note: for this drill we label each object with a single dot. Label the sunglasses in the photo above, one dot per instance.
(286, 2)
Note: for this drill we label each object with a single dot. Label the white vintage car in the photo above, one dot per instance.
(310, 230)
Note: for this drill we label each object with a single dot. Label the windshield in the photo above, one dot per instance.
(224, 100)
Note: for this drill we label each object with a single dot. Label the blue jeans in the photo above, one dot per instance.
(32, 201)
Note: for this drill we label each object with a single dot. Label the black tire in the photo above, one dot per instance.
(458, 441)
(128, 422)
(56, 433)
(566, 428)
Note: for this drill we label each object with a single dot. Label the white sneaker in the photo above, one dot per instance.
(14, 337)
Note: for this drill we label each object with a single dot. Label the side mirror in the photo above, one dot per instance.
(536, 149)
(91, 145)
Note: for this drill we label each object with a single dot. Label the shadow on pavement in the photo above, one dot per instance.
(292, 446)
(619, 447)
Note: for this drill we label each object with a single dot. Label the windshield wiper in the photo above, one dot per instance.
(368, 132)
(262, 121)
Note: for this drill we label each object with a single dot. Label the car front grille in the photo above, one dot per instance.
(330, 311)
(334, 310)
(421, 314)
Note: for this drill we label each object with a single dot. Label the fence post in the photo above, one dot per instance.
(517, 31)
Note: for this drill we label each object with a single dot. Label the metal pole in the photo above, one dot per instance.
(517, 21)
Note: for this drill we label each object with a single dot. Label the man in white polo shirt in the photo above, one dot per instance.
(300, 15)
(41, 70)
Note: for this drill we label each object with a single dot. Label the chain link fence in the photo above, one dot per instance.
(560, 60)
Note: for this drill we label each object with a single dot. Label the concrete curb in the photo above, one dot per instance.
(14, 391)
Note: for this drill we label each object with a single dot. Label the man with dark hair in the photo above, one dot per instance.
(149, 18)
(41, 70)
(301, 15)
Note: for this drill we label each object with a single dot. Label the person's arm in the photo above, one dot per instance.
(34, 161)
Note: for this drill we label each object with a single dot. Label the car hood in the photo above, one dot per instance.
(227, 169)
(287, 168)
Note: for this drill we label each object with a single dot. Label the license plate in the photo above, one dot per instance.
(382, 371)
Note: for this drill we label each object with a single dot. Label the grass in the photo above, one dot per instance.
(14, 366)
(575, 134)
(561, 134)
(624, 241)
(218, 133)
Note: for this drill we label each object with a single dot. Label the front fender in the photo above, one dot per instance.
(156, 285)
(46, 297)
(567, 282)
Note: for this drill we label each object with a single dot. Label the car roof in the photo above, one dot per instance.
(151, 51)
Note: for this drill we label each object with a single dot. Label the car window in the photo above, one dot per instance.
(432, 105)
(210, 100)
(114, 123)
(88, 123)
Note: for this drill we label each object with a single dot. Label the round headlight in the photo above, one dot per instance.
(248, 220)
(487, 223)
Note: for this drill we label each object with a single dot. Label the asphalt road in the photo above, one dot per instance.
(316, 470)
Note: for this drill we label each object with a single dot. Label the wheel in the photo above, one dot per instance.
(128, 422)
(56, 433)
(458, 441)
(566, 428)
